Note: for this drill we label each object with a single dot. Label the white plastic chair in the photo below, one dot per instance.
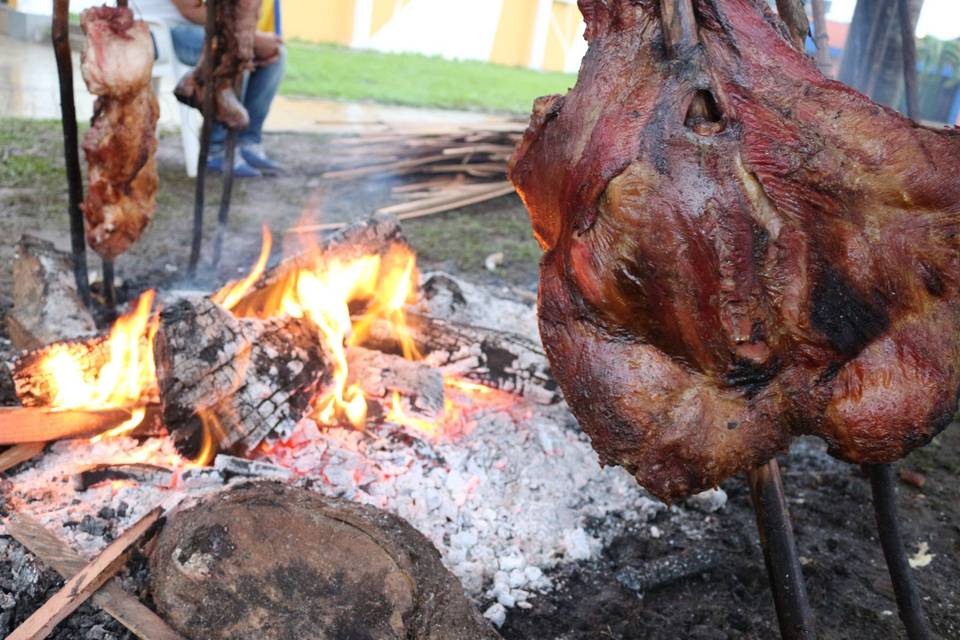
(167, 65)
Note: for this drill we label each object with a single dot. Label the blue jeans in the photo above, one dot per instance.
(258, 91)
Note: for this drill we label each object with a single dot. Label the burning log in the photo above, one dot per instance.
(244, 377)
(383, 375)
(67, 373)
(494, 358)
(47, 306)
(372, 236)
(268, 561)
(22, 425)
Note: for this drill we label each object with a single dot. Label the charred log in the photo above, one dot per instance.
(46, 305)
(497, 359)
(268, 561)
(244, 377)
(380, 375)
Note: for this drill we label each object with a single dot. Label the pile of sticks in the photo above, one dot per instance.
(459, 166)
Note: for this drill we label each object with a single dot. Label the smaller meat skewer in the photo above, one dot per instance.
(121, 144)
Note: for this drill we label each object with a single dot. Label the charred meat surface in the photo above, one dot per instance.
(122, 141)
(738, 250)
(235, 27)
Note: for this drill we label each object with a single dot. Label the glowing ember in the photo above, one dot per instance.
(122, 381)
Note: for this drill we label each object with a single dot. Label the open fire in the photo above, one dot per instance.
(342, 297)
(422, 410)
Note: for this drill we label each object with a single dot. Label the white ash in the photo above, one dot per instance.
(506, 495)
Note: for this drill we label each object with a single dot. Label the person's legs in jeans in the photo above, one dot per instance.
(261, 88)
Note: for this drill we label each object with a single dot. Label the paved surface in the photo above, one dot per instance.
(29, 89)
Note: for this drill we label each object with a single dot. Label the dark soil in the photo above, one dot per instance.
(843, 565)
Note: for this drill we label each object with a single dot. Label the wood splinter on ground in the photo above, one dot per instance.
(84, 583)
(112, 598)
(268, 561)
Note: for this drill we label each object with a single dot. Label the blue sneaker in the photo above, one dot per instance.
(256, 157)
(240, 168)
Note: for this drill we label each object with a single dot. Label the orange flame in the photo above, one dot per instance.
(234, 291)
(322, 288)
(212, 433)
(398, 415)
(122, 381)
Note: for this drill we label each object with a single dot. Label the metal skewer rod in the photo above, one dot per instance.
(205, 132)
(109, 290)
(229, 154)
(780, 553)
(885, 508)
(61, 46)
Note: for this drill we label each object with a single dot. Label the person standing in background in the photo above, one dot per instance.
(186, 18)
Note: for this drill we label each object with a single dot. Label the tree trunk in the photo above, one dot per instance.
(268, 561)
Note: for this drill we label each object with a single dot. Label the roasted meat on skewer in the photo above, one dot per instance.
(739, 251)
(236, 26)
(116, 65)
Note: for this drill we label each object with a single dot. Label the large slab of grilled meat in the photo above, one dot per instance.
(235, 25)
(738, 251)
(120, 146)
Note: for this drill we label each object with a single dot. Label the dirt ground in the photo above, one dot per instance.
(830, 501)
(843, 565)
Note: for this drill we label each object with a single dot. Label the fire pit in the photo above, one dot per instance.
(422, 411)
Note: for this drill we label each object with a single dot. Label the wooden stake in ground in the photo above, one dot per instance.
(909, 49)
(229, 154)
(123, 606)
(821, 37)
(71, 152)
(84, 584)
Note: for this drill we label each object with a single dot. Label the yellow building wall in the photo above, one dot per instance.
(565, 21)
(318, 20)
(511, 46)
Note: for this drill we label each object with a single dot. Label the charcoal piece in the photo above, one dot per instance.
(245, 377)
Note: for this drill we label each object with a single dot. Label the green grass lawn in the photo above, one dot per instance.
(328, 71)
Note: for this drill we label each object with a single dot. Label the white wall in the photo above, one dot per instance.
(462, 29)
